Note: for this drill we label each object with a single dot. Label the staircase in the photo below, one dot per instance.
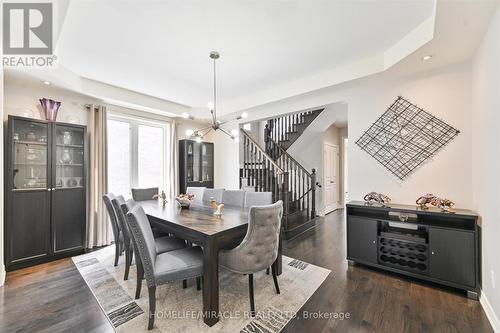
(272, 169)
(287, 129)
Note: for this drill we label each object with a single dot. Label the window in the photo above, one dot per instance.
(137, 153)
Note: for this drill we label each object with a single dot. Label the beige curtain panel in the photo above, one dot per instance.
(99, 230)
(172, 162)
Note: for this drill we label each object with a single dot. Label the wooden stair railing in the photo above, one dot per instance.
(265, 175)
(286, 129)
(285, 178)
(302, 183)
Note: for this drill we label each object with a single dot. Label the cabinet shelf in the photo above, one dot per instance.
(24, 142)
(69, 146)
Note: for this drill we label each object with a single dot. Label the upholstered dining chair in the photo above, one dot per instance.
(258, 198)
(215, 193)
(117, 233)
(161, 268)
(259, 248)
(142, 194)
(233, 198)
(197, 192)
(162, 245)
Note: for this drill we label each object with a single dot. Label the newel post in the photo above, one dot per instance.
(313, 188)
(266, 137)
(284, 196)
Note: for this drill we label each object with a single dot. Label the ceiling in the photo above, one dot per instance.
(161, 48)
(152, 55)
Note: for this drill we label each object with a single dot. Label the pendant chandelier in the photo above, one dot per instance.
(216, 124)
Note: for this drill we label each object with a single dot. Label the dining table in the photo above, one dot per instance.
(199, 225)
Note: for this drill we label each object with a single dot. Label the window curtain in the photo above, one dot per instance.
(99, 232)
(172, 161)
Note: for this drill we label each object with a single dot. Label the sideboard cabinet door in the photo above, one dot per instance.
(452, 256)
(362, 239)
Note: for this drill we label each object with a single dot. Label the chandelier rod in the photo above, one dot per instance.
(215, 91)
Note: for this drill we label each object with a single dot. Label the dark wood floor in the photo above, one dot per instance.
(54, 298)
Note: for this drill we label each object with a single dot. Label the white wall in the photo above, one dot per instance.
(486, 170)
(446, 94)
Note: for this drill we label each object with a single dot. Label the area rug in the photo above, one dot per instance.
(180, 310)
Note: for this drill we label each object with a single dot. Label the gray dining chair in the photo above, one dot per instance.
(258, 198)
(162, 245)
(233, 198)
(197, 192)
(117, 233)
(215, 193)
(259, 248)
(165, 267)
(142, 194)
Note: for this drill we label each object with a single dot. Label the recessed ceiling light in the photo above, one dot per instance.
(427, 57)
(47, 83)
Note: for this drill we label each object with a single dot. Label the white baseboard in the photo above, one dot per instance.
(495, 323)
(2, 274)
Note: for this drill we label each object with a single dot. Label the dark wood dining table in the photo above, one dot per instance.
(198, 224)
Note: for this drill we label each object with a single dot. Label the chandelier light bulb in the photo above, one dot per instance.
(198, 139)
(234, 132)
(210, 105)
(185, 115)
(189, 132)
(244, 115)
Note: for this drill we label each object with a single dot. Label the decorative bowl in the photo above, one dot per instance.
(184, 202)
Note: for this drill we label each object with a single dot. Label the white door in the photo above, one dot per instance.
(331, 174)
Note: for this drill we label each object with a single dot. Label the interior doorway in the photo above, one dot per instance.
(331, 165)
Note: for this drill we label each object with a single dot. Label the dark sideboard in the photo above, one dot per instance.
(428, 244)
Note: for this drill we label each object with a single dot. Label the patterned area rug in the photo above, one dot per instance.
(180, 310)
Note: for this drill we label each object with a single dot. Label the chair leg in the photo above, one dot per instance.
(275, 278)
(117, 252)
(267, 271)
(152, 307)
(250, 291)
(198, 283)
(140, 274)
(184, 284)
(127, 263)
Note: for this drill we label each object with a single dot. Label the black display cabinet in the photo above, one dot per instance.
(45, 191)
(196, 164)
(426, 244)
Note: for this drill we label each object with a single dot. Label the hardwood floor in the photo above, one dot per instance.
(376, 301)
(50, 298)
(54, 298)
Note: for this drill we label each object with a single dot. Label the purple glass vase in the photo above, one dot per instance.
(50, 107)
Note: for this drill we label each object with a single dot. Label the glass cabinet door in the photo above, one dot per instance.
(69, 157)
(207, 154)
(30, 154)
